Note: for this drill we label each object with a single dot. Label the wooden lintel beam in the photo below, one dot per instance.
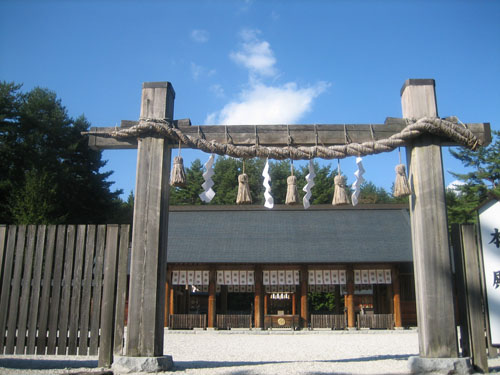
(277, 135)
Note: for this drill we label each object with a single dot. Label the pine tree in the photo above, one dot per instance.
(479, 184)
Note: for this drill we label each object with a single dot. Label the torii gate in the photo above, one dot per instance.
(434, 292)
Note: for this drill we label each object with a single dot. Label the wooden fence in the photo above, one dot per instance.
(376, 321)
(332, 321)
(228, 321)
(187, 321)
(63, 289)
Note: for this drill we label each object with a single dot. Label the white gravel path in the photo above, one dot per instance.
(250, 353)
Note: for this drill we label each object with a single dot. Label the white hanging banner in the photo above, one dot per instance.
(268, 199)
(208, 194)
(309, 185)
(359, 180)
(489, 224)
(380, 277)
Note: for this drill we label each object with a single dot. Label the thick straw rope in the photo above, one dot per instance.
(441, 127)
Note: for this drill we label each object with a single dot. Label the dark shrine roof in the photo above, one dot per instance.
(321, 234)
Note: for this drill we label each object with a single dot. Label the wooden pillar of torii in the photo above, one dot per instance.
(428, 213)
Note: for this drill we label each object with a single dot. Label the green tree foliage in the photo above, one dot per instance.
(322, 302)
(189, 195)
(48, 172)
(479, 184)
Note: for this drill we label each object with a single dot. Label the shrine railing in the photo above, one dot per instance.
(228, 321)
(332, 321)
(187, 321)
(376, 321)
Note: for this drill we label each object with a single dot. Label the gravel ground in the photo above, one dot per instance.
(245, 353)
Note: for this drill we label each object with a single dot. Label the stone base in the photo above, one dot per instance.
(125, 365)
(419, 365)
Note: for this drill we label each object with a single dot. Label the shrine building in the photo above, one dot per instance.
(332, 267)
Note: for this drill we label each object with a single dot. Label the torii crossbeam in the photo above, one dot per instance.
(435, 307)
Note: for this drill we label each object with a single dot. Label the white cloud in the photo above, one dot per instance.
(197, 71)
(261, 104)
(217, 90)
(454, 186)
(200, 36)
(256, 55)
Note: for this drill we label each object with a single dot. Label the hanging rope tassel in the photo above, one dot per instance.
(310, 184)
(178, 175)
(401, 186)
(244, 196)
(339, 195)
(292, 195)
(268, 198)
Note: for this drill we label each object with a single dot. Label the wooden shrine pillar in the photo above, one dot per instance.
(150, 227)
(304, 313)
(258, 299)
(168, 289)
(349, 299)
(212, 302)
(396, 298)
(294, 304)
(171, 304)
(266, 303)
(429, 229)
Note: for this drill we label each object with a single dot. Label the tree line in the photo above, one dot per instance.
(227, 169)
(49, 175)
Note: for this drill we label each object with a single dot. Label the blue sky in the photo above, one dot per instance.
(257, 62)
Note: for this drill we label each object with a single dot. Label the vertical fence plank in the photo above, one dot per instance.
(97, 291)
(56, 289)
(474, 302)
(45, 297)
(3, 236)
(87, 290)
(16, 286)
(108, 297)
(7, 275)
(25, 290)
(35, 290)
(66, 290)
(121, 289)
(76, 291)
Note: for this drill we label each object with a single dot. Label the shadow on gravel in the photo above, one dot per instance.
(45, 364)
(186, 365)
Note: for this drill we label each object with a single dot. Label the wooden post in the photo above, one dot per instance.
(168, 289)
(431, 256)
(304, 313)
(349, 299)
(258, 299)
(396, 298)
(294, 307)
(266, 303)
(338, 310)
(460, 289)
(171, 304)
(212, 299)
(474, 303)
(150, 229)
